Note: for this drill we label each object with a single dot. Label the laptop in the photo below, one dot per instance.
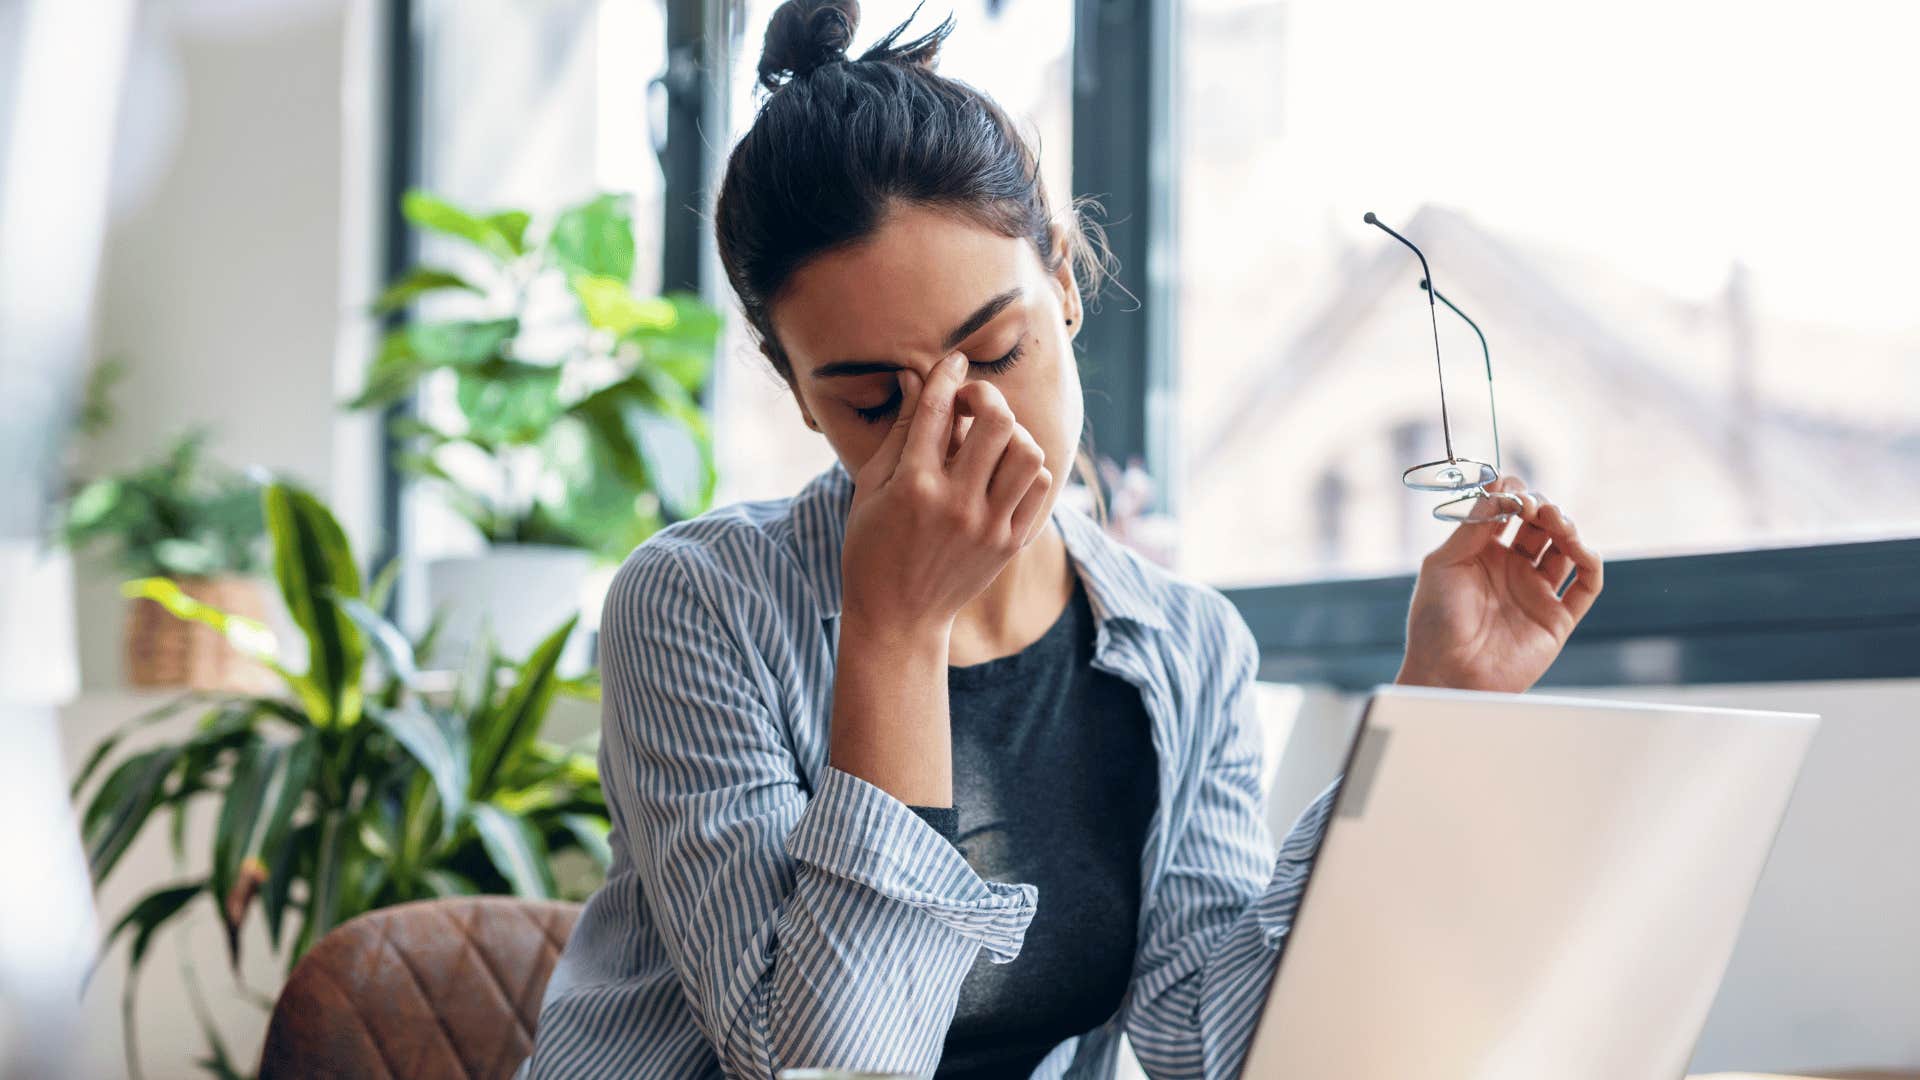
(1518, 886)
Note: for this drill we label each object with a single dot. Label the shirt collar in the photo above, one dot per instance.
(1116, 579)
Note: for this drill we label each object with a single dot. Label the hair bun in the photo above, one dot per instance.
(804, 35)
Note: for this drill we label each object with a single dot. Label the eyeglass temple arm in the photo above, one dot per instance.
(1427, 287)
(1446, 429)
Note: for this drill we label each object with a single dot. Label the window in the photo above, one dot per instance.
(559, 110)
(1701, 329)
(1017, 51)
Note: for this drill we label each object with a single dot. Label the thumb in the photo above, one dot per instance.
(887, 458)
(1472, 536)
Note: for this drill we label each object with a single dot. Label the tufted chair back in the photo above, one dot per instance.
(434, 990)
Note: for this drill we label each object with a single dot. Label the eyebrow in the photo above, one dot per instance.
(975, 321)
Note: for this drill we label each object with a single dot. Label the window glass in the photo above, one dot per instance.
(1682, 229)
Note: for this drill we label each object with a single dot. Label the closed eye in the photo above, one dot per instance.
(888, 407)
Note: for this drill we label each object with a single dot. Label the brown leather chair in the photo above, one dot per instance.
(433, 990)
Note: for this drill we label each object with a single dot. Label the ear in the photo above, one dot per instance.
(1064, 279)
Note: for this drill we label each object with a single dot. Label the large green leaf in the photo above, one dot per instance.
(246, 794)
(328, 883)
(499, 235)
(395, 651)
(671, 434)
(591, 834)
(506, 402)
(410, 352)
(314, 566)
(188, 557)
(417, 283)
(515, 850)
(113, 738)
(285, 863)
(380, 589)
(605, 499)
(436, 741)
(511, 225)
(255, 823)
(513, 726)
(447, 883)
(654, 434)
(460, 343)
(392, 375)
(425, 650)
(477, 684)
(689, 366)
(248, 636)
(96, 504)
(610, 305)
(684, 348)
(122, 805)
(144, 918)
(595, 237)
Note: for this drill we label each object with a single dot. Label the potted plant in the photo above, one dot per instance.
(197, 523)
(566, 425)
(347, 789)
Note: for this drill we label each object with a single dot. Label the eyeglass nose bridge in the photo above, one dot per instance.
(1451, 474)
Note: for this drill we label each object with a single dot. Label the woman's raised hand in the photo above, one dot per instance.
(928, 531)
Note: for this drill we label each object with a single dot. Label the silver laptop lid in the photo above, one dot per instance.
(1515, 886)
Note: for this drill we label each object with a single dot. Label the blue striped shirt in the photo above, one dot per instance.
(765, 910)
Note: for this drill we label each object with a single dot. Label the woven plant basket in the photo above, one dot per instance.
(165, 651)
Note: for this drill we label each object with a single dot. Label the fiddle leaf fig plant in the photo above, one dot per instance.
(569, 406)
(355, 786)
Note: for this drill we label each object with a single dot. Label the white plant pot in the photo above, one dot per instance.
(519, 592)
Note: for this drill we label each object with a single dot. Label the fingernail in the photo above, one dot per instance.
(956, 360)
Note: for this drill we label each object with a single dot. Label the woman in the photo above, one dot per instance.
(917, 768)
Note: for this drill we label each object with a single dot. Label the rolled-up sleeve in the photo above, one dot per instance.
(1214, 926)
(827, 928)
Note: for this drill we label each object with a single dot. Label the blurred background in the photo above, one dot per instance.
(349, 344)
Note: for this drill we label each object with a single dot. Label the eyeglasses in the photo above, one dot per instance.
(1455, 473)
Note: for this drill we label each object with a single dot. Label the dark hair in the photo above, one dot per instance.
(837, 140)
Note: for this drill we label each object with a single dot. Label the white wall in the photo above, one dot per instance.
(225, 277)
(1827, 970)
(242, 247)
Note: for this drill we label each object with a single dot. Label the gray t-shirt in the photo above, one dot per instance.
(1054, 784)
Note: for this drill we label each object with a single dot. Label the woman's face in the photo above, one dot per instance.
(923, 285)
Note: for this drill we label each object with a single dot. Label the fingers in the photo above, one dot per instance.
(1026, 518)
(999, 461)
(1471, 537)
(1555, 565)
(1587, 566)
(985, 439)
(887, 458)
(1549, 542)
(932, 420)
(1019, 465)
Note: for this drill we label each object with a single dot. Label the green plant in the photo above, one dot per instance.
(181, 516)
(343, 794)
(578, 431)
